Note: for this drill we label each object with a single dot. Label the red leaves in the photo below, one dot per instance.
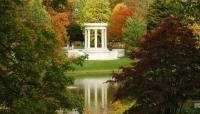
(168, 62)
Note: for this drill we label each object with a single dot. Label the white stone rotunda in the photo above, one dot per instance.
(96, 42)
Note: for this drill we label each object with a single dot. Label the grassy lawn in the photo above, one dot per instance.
(99, 68)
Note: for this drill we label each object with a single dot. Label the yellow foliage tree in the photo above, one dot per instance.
(196, 31)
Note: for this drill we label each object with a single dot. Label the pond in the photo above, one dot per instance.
(98, 94)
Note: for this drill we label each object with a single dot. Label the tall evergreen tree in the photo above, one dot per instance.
(134, 29)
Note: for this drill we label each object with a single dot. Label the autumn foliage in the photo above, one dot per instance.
(118, 18)
(166, 72)
(33, 76)
(60, 20)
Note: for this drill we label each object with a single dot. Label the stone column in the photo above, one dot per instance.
(88, 44)
(102, 38)
(86, 39)
(95, 38)
(105, 37)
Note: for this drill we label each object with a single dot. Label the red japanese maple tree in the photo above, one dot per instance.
(167, 71)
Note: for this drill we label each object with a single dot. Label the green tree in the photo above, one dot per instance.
(78, 7)
(35, 11)
(32, 68)
(95, 12)
(74, 32)
(134, 29)
(185, 10)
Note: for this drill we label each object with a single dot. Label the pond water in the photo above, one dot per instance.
(98, 94)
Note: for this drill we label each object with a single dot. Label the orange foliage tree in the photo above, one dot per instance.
(118, 18)
(60, 20)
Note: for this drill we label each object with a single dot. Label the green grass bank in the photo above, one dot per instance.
(100, 67)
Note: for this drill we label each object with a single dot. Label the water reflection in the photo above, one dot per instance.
(96, 93)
